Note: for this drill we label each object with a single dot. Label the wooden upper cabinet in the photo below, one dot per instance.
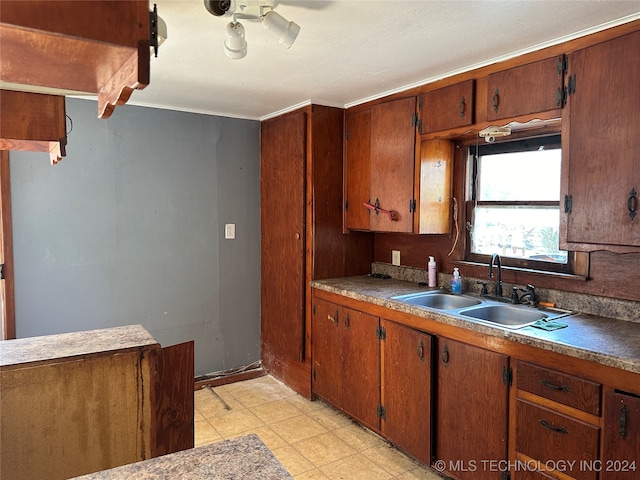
(392, 164)
(600, 144)
(33, 122)
(61, 47)
(448, 107)
(357, 169)
(528, 89)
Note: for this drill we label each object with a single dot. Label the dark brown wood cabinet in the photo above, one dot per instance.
(380, 150)
(448, 107)
(527, 89)
(600, 144)
(357, 170)
(406, 389)
(621, 432)
(346, 360)
(67, 47)
(471, 408)
(302, 233)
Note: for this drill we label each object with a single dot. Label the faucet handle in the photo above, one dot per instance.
(484, 292)
(533, 299)
(514, 295)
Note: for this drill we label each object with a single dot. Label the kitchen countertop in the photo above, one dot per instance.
(242, 458)
(23, 351)
(607, 341)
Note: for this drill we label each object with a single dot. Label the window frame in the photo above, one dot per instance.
(530, 140)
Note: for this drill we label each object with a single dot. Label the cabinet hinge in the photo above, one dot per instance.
(1, 271)
(505, 475)
(507, 376)
(314, 309)
(563, 64)
(571, 84)
(346, 205)
(568, 203)
(420, 101)
(381, 333)
(561, 97)
(416, 122)
(381, 412)
(412, 205)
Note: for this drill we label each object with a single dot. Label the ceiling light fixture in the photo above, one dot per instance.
(235, 44)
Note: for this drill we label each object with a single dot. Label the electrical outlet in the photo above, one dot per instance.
(395, 257)
(230, 231)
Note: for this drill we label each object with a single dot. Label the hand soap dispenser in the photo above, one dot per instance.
(456, 282)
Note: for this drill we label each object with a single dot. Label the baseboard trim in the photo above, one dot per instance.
(202, 382)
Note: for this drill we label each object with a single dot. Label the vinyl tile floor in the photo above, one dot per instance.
(311, 439)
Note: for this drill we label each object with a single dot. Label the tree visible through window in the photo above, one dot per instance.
(515, 194)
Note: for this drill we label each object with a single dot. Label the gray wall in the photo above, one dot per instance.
(129, 228)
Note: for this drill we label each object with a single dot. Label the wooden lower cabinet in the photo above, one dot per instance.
(346, 360)
(112, 398)
(621, 443)
(471, 410)
(406, 389)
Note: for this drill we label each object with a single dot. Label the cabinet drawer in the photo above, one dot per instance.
(559, 387)
(552, 438)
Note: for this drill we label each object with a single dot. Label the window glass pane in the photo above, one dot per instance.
(529, 232)
(527, 175)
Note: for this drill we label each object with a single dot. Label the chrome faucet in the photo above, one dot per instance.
(496, 258)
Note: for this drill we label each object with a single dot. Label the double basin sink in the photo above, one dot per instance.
(483, 309)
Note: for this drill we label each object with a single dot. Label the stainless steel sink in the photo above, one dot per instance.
(505, 315)
(438, 301)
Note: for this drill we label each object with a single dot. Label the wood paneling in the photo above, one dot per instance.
(174, 403)
(6, 251)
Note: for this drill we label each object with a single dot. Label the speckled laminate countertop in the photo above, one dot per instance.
(608, 341)
(241, 458)
(31, 350)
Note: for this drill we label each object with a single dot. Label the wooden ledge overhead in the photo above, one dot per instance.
(97, 48)
(33, 122)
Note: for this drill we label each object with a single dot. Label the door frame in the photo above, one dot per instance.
(8, 329)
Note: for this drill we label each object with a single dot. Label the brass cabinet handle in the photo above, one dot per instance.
(562, 388)
(421, 351)
(496, 100)
(623, 421)
(632, 203)
(445, 356)
(546, 424)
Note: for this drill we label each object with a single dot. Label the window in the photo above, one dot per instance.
(514, 194)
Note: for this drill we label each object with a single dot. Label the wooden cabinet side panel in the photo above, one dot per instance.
(361, 367)
(471, 406)
(174, 401)
(448, 107)
(326, 353)
(436, 166)
(67, 419)
(282, 182)
(406, 389)
(603, 126)
(530, 88)
(392, 163)
(621, 454)
(358, 169)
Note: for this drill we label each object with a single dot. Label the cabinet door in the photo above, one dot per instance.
(472, 408)
(361, 370)
(436, 166)
(600, 144)
(406, 389)
(448, 107)
(621, 444)
(357, 169)
(282, 180)
(528, 89)
(326, 334)
(392, 163)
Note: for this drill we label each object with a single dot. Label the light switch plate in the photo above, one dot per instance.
(230, 231)
(395, 257)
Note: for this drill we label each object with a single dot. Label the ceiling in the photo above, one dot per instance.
(352, 51)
